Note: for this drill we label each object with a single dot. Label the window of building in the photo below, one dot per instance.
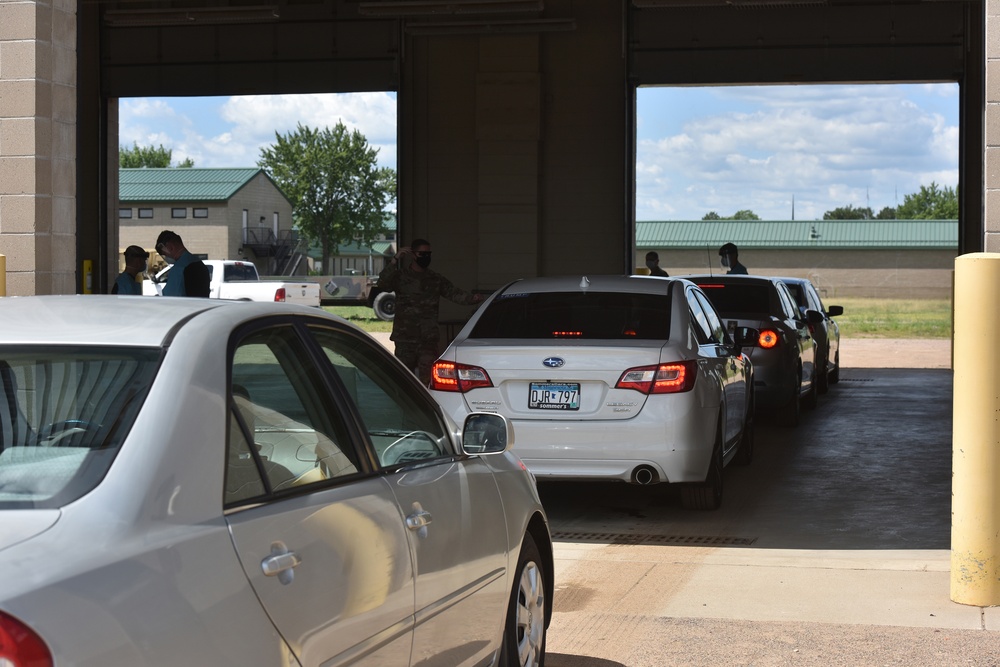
(145, 213)
(178, 213)
(199, 212)
(124, 213)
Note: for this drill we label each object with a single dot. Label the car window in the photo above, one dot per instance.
(284, 430)
(734, 299)
(64, 414)
(787, 302)
(402, 421)
(798, 295)
(580, 315)
(718, 330)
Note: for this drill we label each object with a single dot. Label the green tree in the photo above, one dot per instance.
(887, 213)
(744, 214)
(931, 203)
(338, 192)
(849, 213)
(148, 156)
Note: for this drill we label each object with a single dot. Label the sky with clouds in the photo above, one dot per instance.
(720, 149)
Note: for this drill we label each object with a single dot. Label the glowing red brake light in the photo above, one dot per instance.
(450, 376)
(768, 338)
(20, 646)
(279, 294)
(671, 378)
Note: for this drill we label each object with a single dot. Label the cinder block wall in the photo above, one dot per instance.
(38, 145)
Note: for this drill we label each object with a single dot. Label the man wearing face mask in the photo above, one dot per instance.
(418, 289)
(653, 264)
(730, 259)
(189, 275)
(135, 263)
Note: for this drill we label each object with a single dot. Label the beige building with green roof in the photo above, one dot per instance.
(865, 258)
(220, 214)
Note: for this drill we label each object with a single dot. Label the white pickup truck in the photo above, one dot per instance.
(239, 281)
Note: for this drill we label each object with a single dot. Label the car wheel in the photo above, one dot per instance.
(706, 495)
(744, 455)
(385, 306)
(790, 414)
(811, 397)
(523, 643)
(835, 374)
(822, 377)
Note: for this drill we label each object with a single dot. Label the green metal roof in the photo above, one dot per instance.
(826, 234)
(182, 184)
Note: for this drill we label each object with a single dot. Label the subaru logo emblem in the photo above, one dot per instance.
(553, 362)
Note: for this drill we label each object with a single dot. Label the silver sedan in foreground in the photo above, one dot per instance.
(200, 482)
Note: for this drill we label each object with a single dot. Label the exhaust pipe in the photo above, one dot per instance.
(644, 475)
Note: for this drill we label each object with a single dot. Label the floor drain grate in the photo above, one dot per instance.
(669, 540)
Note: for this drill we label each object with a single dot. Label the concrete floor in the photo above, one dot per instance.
(831, 548)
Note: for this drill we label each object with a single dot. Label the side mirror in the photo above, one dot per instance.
(814, 317)
(834, 311)
(487, 433)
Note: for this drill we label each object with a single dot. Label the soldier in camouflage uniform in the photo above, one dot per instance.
(418, 293)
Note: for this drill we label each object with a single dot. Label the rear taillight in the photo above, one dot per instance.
(279, 294)
(450, 376)
(20, 646)
(768, 338)
(660, 379)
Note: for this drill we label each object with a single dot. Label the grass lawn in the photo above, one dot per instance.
(363, 316)
(893, 318)
(862, 318)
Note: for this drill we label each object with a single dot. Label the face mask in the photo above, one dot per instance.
(650, 265)
(168, 260)
(725, 261)
(423, 262)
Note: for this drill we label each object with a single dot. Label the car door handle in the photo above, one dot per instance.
(419, 519)
(280, 563)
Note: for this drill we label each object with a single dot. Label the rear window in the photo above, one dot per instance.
(64, 413)
(576, 315)
(731, 299)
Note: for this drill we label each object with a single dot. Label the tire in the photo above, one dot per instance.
(385, 306)
(523, 642)
(790, 414)
(822, 376)
(706, 495)
(835, 375)
(744, 455)
(811, 400)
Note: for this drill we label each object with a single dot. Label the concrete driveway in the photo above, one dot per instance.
(832, 548)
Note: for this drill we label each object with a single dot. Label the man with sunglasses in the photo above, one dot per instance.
(415, 330)
(188, 275)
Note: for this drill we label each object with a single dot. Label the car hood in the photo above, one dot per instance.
(16, 526)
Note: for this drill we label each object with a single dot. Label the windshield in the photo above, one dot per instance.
(64, 412)
(576, 315)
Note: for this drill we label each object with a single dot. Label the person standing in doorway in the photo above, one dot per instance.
(135, 263)
(188, 275)
(730, 259)
(415, 330)
(653, 264)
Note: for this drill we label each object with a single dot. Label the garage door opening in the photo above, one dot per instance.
(852, 186)
(225, 197)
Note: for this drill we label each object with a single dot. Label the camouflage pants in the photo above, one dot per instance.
(418, 357)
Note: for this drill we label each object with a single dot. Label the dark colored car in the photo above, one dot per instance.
(826, 333)
(784, 357)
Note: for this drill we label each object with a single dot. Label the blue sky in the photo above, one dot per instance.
(719, 149)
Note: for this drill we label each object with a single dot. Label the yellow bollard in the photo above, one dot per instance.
(3, 275)
(88, 276)
(975, 506)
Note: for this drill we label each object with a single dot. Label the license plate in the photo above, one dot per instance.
(554, 396)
